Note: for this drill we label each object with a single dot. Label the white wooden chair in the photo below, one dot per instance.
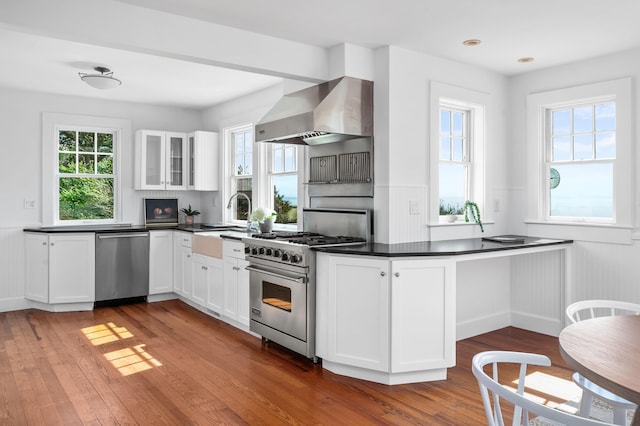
(587, 309)
(491, 389)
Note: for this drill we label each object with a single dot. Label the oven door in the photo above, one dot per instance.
(279, 300)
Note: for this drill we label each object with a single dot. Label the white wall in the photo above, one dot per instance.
(21, 166)
(402, 141)
(598, 269)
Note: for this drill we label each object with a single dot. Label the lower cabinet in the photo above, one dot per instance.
(160, 262)
(60, 268)
(384, 320)
(236, 282)
(182, 264)
(207, 282)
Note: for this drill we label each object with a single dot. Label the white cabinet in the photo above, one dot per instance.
(386, 320)
(161, 160)
(203, 153)
(160, 262)
(60, 267)
(236, 282)
(207, 282)
(354, 305)
(182, 267)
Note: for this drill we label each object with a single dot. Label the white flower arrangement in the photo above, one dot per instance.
(260, 215)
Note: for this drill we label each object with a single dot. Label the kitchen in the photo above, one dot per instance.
(402, 79)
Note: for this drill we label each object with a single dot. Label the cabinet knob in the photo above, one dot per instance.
(44, 244)
(383, 273)
(52, 244)
(188, 255)
(397, 274)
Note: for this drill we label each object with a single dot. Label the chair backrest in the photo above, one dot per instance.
(491, 389)
(587, 309)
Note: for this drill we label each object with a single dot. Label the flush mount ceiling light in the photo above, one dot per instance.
(104, 80)
(472, 42)
(526, 59)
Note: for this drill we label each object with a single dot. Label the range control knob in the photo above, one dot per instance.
(295, 258)
(268, 252)
(247, 250)
(276, 253)
(261, 250)
(285, 257)
(254, 251)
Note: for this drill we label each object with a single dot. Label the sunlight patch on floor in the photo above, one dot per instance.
(132, 360)
(106, 333)
(128, 360)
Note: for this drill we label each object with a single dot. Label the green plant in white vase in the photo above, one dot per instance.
(189, 213)
(265, 218)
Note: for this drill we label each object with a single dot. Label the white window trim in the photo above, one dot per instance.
(51, 122)
(624, 186)
(476, 103)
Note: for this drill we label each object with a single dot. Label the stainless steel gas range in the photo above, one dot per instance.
(282, 274)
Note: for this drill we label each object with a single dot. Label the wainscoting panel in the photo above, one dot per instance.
(12, 264)
(408, 213)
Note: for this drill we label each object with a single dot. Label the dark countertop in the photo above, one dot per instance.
(439, 248)
(195, 228)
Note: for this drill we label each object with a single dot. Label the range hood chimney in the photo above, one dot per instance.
(334, 111)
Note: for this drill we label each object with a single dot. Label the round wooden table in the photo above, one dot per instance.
(606, 350)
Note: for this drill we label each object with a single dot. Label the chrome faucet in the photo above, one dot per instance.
(238, 194)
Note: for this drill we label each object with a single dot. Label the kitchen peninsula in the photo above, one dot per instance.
(387, 312)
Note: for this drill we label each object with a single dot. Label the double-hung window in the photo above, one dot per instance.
(580, 162)
(455, 160)
(241, 179)
(266, 172)
(581, 154)
(81, 168)
(283, 177)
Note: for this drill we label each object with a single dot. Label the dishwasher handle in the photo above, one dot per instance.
(128, 235)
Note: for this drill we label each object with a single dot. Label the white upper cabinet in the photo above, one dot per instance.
(203, 161)
(176, 161)
(161, 160)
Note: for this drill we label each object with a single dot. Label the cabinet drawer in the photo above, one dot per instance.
(233, 249)
(185, 238)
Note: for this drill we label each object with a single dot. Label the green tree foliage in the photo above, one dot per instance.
(287, 212)
(85, 198)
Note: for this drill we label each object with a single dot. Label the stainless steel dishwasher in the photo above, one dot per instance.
(122, 267)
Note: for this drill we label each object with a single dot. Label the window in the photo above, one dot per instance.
(581, 154)
(457, 122)
(85, 177)
(81, 168)
(241, 171)
(455, 161)
(266, 172)
(284, 182)
(580, 160)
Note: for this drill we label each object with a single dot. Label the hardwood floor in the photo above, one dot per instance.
(166, 363)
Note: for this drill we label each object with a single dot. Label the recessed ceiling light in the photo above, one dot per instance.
(472, 42)
(526, 59)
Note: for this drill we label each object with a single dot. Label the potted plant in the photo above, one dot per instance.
(265, 218)
(450, 211)
(470, 206)
(189, 214)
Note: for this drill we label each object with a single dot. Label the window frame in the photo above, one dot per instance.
(271, 174)
(52, 123)
(476, 103)
(538, 105)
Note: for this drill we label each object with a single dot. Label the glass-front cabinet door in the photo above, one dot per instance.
(176, 161)
(153, 167)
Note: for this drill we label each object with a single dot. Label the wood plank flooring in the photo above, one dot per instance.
(165, 363)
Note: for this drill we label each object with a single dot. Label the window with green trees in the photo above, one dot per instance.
(85, 175)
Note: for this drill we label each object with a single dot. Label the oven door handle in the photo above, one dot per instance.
(274, 274)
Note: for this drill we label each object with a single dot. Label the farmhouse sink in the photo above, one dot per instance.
(222, 227)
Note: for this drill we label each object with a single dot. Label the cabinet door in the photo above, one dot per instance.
(231, 288)
(37, 270)
(203, 150)
(422, 315)
(176, 161)
(215, 284)
(71, 268)
(199, 265)
(177, 263)
(150, 159)
(186, 268)
(243, 292)
(160, 262)
(353, 311)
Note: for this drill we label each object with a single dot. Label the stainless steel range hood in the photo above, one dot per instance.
(334, 111)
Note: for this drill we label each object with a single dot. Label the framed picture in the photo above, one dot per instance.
(161, 212)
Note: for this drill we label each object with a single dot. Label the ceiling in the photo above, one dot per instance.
(551, 31)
